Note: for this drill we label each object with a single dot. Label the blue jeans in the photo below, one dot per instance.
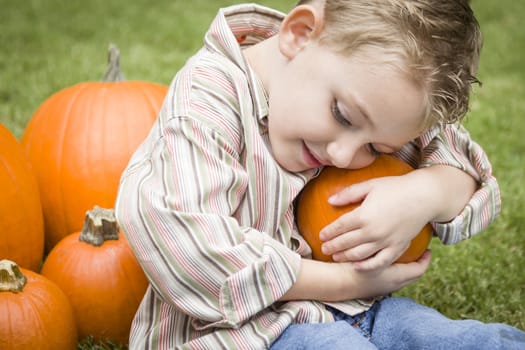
(399, 323)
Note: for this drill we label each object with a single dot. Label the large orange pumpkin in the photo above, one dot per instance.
(34, 312)
(21, 221)
(100, 275)
(80, 140)
(314, 212)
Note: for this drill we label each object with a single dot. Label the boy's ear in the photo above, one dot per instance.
(302, 25)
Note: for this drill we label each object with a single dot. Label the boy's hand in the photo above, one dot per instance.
(324, 281)
(378, 282)
(375, 234)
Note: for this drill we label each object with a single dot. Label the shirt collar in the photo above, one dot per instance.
(239, 26)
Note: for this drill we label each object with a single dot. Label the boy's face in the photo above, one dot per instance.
(328, 109)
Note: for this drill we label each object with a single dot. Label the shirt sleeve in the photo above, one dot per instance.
(178, 207)
(452, 145)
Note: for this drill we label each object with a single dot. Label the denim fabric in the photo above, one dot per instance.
(400, 324)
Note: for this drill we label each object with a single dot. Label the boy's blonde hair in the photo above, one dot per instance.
(437, 42)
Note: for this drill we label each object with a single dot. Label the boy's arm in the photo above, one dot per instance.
(179, 209)
(452, 146)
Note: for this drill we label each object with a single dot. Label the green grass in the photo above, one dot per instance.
(90, 344)
(49, 45)
(484, 277)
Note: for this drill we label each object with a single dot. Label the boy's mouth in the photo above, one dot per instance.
(310, 159)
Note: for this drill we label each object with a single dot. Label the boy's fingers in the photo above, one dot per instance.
(385, 258)
(350, 194)
(346, 223)
(355, 254)
(380, 260)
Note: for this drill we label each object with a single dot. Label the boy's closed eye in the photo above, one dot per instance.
(344, 121)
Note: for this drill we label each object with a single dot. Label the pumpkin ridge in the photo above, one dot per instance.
(150, 95)
(73, 96)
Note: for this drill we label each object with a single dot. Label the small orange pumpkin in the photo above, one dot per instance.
(34, 312)
(21, 223)
(314, 212)
(80, 140)
(98, 272)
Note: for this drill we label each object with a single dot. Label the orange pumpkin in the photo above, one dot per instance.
(80, 140)
(21, 223)
(314, 212)
(100, 275)
(34, 312)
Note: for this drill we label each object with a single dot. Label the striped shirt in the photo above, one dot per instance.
(209, 212)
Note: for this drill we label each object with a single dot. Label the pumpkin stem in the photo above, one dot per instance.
(11, 278)
(100, 225)
(113, 73)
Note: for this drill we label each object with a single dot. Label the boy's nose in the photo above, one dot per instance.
(349, 156)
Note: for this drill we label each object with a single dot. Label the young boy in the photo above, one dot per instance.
(207, 200)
